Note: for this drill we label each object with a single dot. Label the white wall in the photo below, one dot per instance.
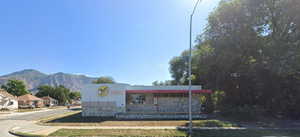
(116, 93)
(5, 103)
(92, 102)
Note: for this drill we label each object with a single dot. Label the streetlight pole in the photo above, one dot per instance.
(190, 70)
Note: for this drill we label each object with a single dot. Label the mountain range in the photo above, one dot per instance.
(33, 79)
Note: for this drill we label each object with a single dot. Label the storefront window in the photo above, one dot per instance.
(136, 99)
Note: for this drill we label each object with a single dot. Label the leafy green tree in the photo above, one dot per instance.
(104, 80)
(179, 68)
(75, 95)
(250, 50)
(15, 87)
(155, 83)
(163, 83)
(45, 90)
(60, 93)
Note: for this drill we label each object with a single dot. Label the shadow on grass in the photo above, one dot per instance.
(77, 118)
(176, 133)
(242, 133)
(213, 123)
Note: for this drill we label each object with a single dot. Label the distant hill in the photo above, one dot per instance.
(34, 79)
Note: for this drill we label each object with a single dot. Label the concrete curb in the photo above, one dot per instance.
(16, 134)
(13, 132)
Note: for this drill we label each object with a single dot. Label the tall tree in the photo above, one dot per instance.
(45, 90)
(163, 83)
(15, 87)
(75, 95)
(251, 51)
(104, 80)
(60, 93)
(179, 68)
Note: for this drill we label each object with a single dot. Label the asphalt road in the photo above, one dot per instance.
(7, 122)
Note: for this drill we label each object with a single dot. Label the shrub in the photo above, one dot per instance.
(4, 109)
(214, 123)
(244, 113)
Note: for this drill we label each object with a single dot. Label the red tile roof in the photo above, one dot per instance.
(29, 97)
(48, 98)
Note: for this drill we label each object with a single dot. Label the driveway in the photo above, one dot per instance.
(20, 119)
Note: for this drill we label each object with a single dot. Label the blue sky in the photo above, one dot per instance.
(130, 40)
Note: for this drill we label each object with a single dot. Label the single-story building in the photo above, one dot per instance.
(8, 101)
(121, 99)
(76, 102)
(49, 102)
(30, 101)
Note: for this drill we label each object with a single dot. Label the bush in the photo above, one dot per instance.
(4, 109)
(244, 113)
(214, 123)
(213, 102)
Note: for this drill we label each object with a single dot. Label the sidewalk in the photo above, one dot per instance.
(9, 114)
(22, 113)
(5, 116)
(26, 122)
(30, 127)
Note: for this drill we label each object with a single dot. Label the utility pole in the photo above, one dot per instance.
(190, 71)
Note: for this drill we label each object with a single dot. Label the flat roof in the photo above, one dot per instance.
(172, 87)
(168, 91)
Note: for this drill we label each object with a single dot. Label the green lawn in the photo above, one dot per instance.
(29, 110)
(75, 119)
(171, 133)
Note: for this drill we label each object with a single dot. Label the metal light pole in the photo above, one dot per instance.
(190, 70)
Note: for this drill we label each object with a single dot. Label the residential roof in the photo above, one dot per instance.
(48, 97)
(29, 97)
(6, 94)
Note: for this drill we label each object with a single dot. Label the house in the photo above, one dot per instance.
(123, 100)
(30, 101)
(49, 102)
(8, 101)
(76, 102)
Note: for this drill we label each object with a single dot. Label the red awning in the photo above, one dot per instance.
(168, 91)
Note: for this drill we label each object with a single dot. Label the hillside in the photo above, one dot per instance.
(34, 79)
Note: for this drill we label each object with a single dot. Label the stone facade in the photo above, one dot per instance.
(136, 102)
(166, 105)
(159, 116)
(100, 108)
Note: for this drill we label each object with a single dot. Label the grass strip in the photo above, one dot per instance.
(176, 133)
(44, 120)
(75, 119)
